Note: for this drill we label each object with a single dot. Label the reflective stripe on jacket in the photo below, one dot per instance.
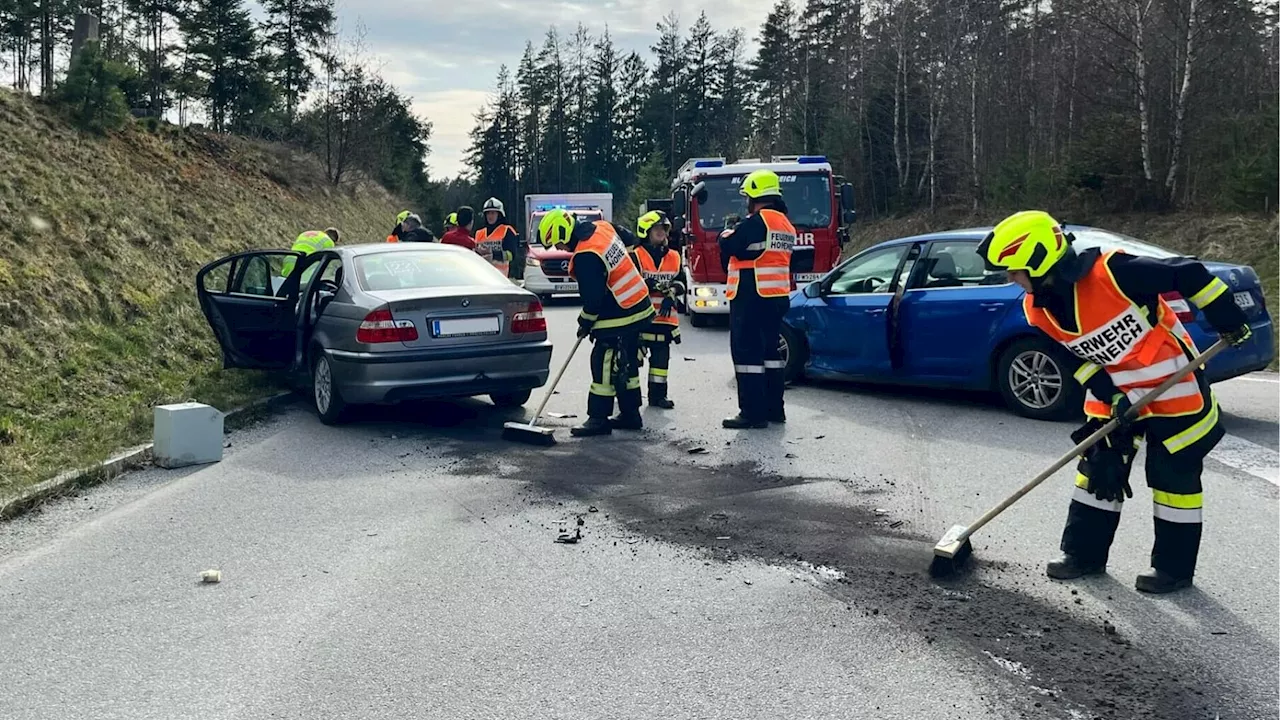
(664, 272)
(624, 281)
(1118, 336)
(773, 267)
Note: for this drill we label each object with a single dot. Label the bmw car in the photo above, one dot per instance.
(925, 311)
(378, 324)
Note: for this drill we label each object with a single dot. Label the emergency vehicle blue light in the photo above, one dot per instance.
(811, 159)
(709, 163)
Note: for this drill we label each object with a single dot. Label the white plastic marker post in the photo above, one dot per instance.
(954, 547)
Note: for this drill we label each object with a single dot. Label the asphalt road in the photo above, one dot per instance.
(404, 566)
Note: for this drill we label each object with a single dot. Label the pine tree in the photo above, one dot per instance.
(579, 97)
(531, 87)
(668, 78)
(295, 31)
(221, 45)
(601, 136)
(771, 75)
(555, 148)
(694, 112)
(634, 143)
(153, 18)
(652, 181)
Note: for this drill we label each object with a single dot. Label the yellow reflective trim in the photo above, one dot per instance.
(1189, 501)
(633, 383)
(1209, 293)
(1086, 371)
(1082, 481)
(649, 336)
(640, 316)
(659, 372)
(1193, 434)
(606, 372)
(603, 390)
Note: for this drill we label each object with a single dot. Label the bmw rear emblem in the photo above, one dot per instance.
(466, 302)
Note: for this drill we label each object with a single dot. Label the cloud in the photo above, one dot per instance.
(446, 55)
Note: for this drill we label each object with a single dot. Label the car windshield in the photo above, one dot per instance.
(808, 198)
(424, 269)
(1107, 240)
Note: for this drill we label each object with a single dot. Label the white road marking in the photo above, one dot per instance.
(1250, 457)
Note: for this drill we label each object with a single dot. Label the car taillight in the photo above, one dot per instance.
(531, 320)
(380, 327)
(1180, 307)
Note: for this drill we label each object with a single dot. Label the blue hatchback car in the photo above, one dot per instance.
(925, 311)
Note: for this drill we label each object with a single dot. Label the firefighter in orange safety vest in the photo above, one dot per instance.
(615, 310)
(499, 242)
(660, 267)
(1107, 308)
(757, 253)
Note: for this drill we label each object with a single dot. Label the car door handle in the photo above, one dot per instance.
(991, 306)
(875, 311)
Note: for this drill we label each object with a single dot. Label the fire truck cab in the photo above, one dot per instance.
(705, 195)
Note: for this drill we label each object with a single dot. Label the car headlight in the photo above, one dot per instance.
(533, 262)
(705, 292)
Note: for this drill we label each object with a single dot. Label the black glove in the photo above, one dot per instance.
(652, 284)
(1108, 463)
(675, 339)
(668, 305)
(584, 328)
(1239, 336)
(1120, 407)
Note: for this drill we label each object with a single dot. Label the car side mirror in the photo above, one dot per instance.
(680, 203)
(847, 212)
(813, 290)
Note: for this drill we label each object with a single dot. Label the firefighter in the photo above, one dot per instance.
(757, 253)
(500, 241)
(307, 243)
(399, 228)
(412, 230)
(450, 222)
(615, 310)
(1107, 309)
(660, 267)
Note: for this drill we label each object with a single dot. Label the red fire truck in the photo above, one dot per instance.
(705, 193)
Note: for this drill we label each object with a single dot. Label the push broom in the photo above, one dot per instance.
(954, 548)
(530, 432)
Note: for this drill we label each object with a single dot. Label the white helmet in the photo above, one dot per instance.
(493, 203)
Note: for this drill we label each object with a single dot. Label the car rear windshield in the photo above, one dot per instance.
(1107, 240)
(425, 269)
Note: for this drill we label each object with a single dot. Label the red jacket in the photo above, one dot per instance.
(459, 236)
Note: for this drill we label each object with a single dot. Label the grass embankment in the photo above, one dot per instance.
(1245, 239)
(100, 240)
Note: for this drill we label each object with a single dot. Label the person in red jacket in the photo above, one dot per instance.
(461, 235)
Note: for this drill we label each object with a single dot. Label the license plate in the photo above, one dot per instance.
(565, 287)
(806, 277)
(1244, 300)
(465, 327)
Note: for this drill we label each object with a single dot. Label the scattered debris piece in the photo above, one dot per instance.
(818, 437)
(881, 511)
(699, 450)
(722, 537)
(719, 516)
(562, 416)
(689, 359)
(592, 509)
(567, 539)
(1108, 628)
(791, 455)
(211, 576)
(371, 534)
(633, 540)
(746, 582)
(895, 524)
(1219, 632)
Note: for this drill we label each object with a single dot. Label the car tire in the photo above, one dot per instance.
(795, 353)
(511, 399)
(325, 396)
(1033, 382)
(699, 320)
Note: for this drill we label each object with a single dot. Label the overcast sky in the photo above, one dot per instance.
(445, 54)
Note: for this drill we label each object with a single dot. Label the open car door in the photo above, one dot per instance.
(252, 308)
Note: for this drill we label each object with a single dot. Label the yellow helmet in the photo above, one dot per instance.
(648, 220)
(555, 227)
(1030, 240)
(761, 183)
(403, 214)
(451, 219)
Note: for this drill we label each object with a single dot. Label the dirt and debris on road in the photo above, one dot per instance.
(1069, 666)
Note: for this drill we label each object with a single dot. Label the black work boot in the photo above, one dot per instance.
(1158, 582)
(593, 426)
(778, 417)
(738, 422)
(658, 397)
(627, 421)
(1070, 567)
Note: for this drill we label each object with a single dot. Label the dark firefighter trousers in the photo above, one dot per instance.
(1176, 449)
(755, 330)
(656, 340)
(615, 372)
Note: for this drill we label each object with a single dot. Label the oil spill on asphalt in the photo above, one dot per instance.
(1069, 664)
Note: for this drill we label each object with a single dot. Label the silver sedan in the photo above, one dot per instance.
(378, 323)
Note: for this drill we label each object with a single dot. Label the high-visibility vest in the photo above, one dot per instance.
(1117, 336)
(488, 243)
(773, 267)
(624, 281)
(664, 272)
(307, 243)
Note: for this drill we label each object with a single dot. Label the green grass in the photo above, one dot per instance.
(1245, 239)
(100, 240)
